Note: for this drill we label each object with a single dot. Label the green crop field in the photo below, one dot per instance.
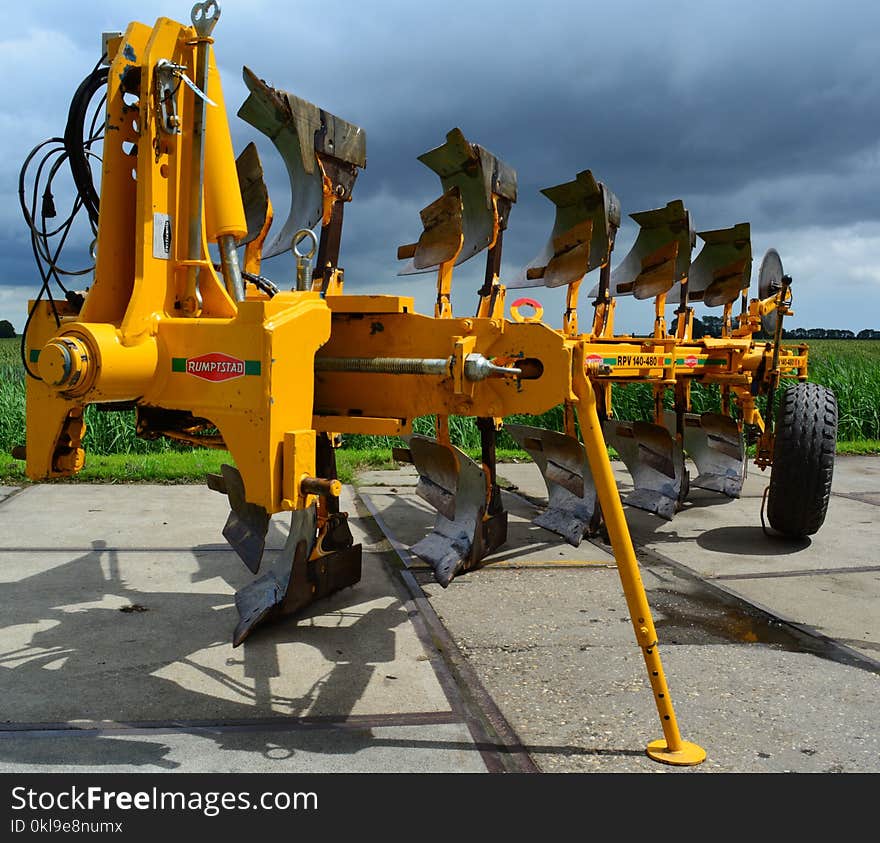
(849, 367)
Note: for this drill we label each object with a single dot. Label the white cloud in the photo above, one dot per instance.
(835, 276)
(14, 304)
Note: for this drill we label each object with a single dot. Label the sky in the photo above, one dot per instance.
(763, 112)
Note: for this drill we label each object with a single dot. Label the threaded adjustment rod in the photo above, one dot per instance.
(476, 367)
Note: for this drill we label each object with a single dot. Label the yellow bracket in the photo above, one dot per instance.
(570, 317)
(298, 463)
(364, 425)
(461, 348)
(443, 306)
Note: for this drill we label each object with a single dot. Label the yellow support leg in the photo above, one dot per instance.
(671, 749)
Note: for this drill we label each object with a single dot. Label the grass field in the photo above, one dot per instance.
(849, 367)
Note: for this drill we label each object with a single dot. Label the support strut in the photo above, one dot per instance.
(671, 749)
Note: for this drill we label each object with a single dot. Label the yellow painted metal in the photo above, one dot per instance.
(253, 251)
(570, 316)
(672, 749)
(268, 351)
(369, 304)
(364, 425)
(492, 306)
(246, 367)
(443, 305)
(412, 335)
(224, 210)
(298, 450)
(537, 310)
(159, 328)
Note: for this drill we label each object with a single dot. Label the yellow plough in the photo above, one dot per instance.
(179, 323)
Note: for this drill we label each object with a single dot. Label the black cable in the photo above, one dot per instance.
(82, 177)
(35, 237)
(74, 134)
(74, 148)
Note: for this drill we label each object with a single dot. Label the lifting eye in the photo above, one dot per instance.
(537, 310)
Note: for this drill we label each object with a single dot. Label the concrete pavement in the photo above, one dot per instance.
(116, 615)
(769, 647)
(829, 581)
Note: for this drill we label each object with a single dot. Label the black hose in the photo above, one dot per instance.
(75, 143)
(75, 148)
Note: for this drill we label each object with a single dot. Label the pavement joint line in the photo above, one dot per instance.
(421, 567)
(498, 743)
(18, 490)
(500, 747)
(549, 563)
(526, 498)
(769, 575)
(432, 646)
(88, 729)
(439, 647)
(857, 496)
(400, 549)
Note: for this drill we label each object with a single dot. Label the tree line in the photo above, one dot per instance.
(712, 325)
(706, 326)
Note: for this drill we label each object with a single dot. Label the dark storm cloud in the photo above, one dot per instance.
(653, 137)
(765, 112)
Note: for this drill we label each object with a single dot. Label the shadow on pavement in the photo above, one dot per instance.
(750, 541)
(78, 643)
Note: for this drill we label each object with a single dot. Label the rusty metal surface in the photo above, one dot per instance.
(456, 486)
(661, 255)
(563, 465)
(295, 580)
(254, 193)
(441, 239)
(247, 524)
(300, 131)
(723, 267)
(479, 175)
(654, 460)
(714, 442)
(438, 473)
(586, 212)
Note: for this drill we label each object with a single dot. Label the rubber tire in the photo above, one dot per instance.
(803, 460)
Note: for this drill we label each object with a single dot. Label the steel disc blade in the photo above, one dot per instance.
(769, 283)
